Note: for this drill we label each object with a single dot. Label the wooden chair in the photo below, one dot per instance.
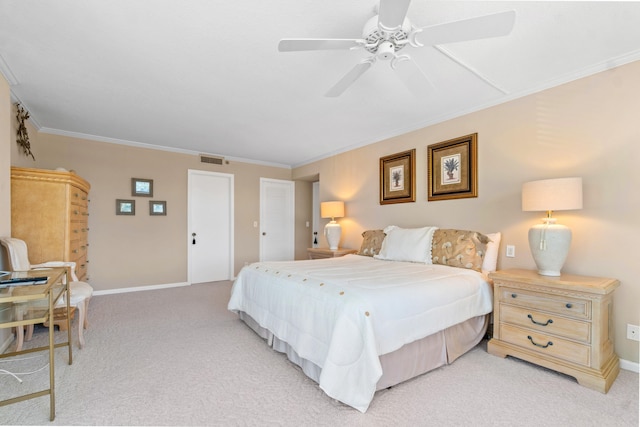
(81, 292)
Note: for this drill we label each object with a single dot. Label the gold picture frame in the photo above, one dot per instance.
(398, 178)
(453, 168)
(141, 187)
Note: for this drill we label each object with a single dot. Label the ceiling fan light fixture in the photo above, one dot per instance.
(386, 51)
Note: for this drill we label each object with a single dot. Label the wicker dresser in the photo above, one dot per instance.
(562, 323)
(49, 211)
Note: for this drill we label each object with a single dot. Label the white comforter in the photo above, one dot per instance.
(342, 313)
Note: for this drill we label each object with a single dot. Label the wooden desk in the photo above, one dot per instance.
(34, 304)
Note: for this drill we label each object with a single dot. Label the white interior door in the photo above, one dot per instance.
(210, 224)
(277, 215)
(315, 208)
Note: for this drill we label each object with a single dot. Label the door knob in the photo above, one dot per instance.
(264, 234)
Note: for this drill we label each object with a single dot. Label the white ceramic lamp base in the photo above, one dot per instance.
(549, 244)
(332, 232)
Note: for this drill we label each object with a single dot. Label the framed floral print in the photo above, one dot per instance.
(397, 178)
(453, 168)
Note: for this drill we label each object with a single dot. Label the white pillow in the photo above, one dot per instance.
(407, 244)
(490, 260)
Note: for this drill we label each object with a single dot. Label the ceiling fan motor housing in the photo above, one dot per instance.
(382, 43)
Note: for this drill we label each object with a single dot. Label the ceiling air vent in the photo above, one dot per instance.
(211, 159)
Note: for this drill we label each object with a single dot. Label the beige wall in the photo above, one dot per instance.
(586, 128)
(129, 251)
(6, 112)
(5, 182)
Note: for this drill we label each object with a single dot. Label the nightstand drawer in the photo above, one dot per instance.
(546, 323)
(566, 306)
(546, 344)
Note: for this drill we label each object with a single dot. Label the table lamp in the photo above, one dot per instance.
(549, 242)
(332, 230)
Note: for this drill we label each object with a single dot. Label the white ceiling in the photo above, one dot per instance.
(206, 76)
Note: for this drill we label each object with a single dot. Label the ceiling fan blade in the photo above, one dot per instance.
(349, 78)
(392, 13)
(293, 45)
(480, 27)
(414, 78)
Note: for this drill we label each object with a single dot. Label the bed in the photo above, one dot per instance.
(361, 323)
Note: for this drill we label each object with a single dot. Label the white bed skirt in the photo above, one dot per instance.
(411, 360)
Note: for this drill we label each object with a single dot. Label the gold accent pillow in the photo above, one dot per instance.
(458, 248)
(371, 243)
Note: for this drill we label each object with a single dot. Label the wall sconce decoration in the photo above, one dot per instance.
(22, 137)
(125, 207)
(157, 207)
(141, 187)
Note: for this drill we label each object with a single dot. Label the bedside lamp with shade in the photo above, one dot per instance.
(549, 242)
(332, 230)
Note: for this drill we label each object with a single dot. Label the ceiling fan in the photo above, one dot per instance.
(388, 32)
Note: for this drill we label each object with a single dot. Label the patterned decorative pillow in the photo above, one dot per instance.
(371, 243)
(459, 248)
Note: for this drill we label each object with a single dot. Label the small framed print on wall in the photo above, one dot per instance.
(453, 168)
(157, 207)
(397, 178)
(125, 207)
(141, 187)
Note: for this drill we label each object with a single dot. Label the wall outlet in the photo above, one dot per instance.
(511, 251)
(633, 332)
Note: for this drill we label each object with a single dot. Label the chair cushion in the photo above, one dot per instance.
(80, 291)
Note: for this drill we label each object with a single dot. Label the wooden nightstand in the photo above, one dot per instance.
(562, 323)
(317, 253)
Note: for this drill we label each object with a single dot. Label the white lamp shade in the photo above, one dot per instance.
(549, 242)
(332, 209)
(552, 194)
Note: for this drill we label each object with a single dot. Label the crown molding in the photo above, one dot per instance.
(108, 140)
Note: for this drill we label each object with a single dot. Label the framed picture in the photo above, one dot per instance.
(157, 207)
(453, 168)
(141, 187)
(397, 178)
(125, 207)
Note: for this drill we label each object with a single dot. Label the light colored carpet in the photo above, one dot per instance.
(178, 357)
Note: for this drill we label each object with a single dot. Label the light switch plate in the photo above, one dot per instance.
(511, 251)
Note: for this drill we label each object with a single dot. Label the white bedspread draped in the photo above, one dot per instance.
(342, 313)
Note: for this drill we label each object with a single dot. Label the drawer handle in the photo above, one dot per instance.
(539, 345)
(568, 305)
(538, 323)
(514, 295)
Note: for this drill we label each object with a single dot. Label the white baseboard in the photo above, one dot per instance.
(141, 288)
(630, 366)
